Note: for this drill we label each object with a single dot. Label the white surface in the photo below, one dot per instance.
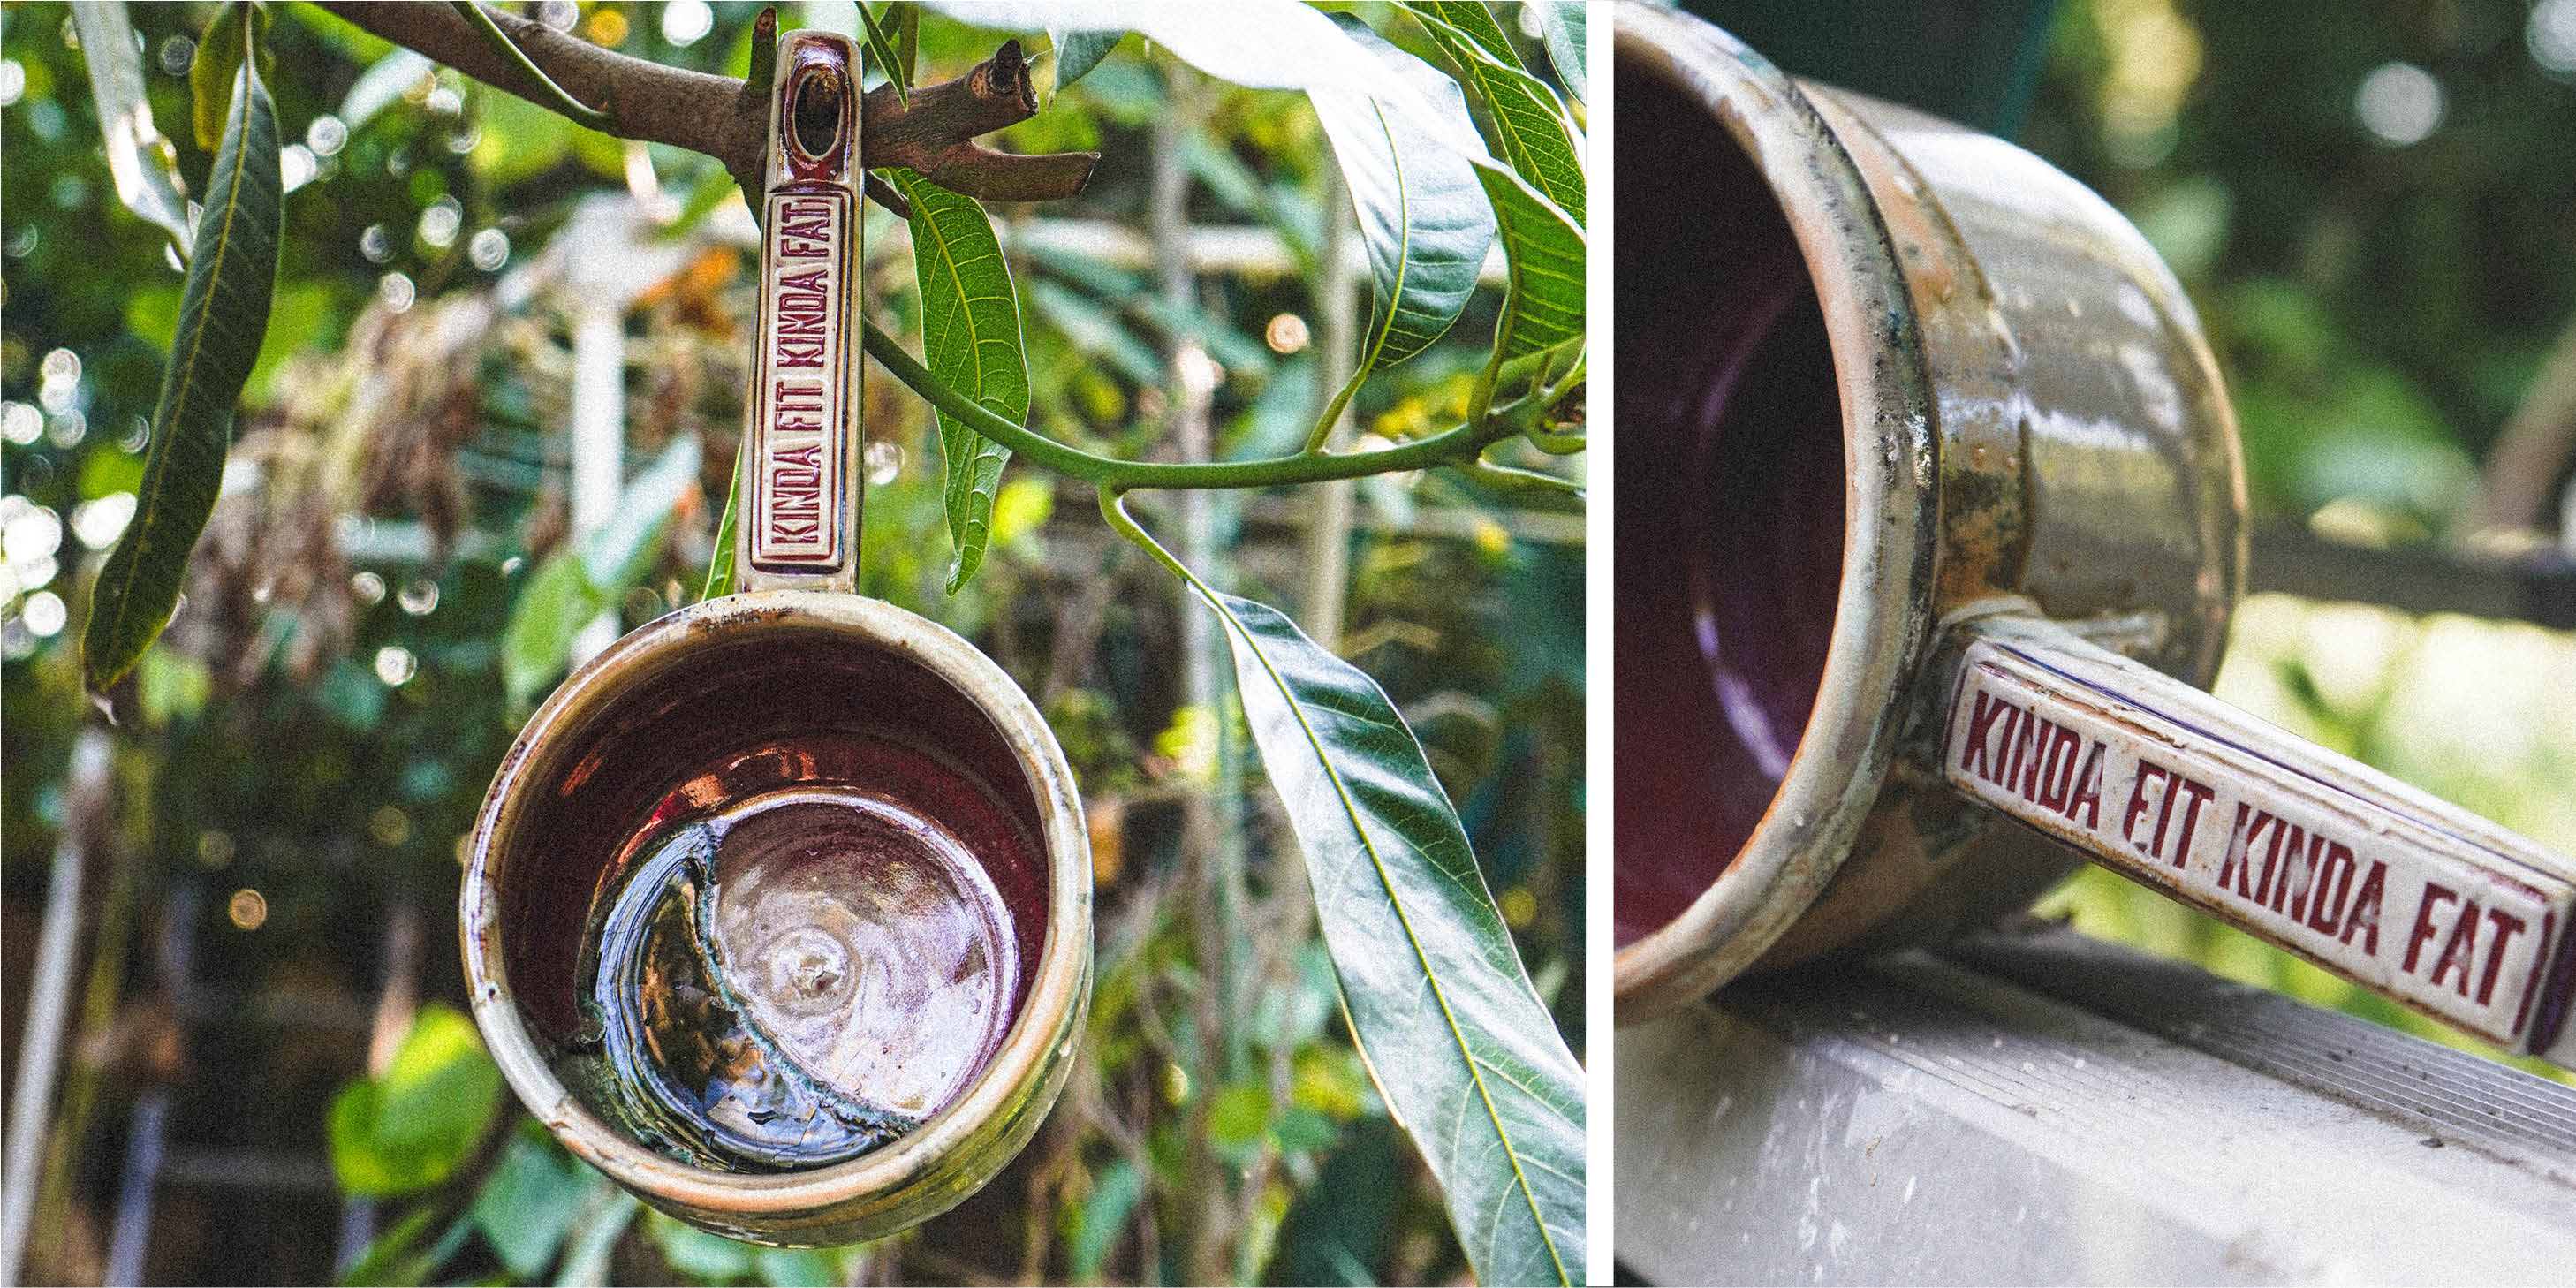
(1918, 1122)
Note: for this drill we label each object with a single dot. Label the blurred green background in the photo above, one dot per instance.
(267, 1075)
(2374, 208)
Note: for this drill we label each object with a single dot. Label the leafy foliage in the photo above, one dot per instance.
(412, 1127)
(1458, 1042)
(223, 315)
(970, 316)
(389, 581)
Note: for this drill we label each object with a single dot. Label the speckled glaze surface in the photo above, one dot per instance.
(2025, 413)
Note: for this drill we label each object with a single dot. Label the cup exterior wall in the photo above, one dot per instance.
(2079, 457)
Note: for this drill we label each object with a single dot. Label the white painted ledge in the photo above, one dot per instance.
(2042, 1108)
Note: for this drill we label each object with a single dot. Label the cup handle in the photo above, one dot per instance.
(2409, 896)
(799, 502)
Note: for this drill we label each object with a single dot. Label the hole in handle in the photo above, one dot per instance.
(816, 112)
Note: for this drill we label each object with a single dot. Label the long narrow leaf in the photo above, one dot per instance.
(1542, 243)
(970, 327)
(1528, 126)
(138, 158)
(1420, 217)
(898, 73)
(1545, 249)
(1400, 132)
(1463, 1051)
(1077, 52)
(223, 314)
(1560, 28)
(720, 564)
(1474, 21)
(582, 578)
(210, 72)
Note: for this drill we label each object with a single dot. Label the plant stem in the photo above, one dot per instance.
(518, 58)
(1451, 446)
(1113, 507)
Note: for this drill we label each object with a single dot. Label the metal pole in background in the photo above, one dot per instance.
(40, 1050)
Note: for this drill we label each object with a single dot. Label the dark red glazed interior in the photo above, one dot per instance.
(768, 706)
(1729, 501)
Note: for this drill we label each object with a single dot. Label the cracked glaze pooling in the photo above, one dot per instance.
(2015, 380)
(797, 979)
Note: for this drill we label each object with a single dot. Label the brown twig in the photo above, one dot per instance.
(723, 118)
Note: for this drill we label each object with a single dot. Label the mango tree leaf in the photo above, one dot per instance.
(1545, 250)
(413, 1127)
(1460, 1045)
(549, 613)
(577, 582)
(528, 1203)
(621, 551)
(1077, 52)
(712, 1258)
(1404, 142)
(970, 329)
(1543, 245)
(223, 314)
(210, 72)
(1472, 20)
(139, 159)
(1528, 127)
(1420, 218)
(720, 564)
(881, 49)
(1560, 28)
(1104, 1214)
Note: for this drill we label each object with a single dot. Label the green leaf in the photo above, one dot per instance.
(1461, 1047)
(720, 564)
(1077, 52)
(548, 614)
(1474, 22)
(585, 578)
(1560, 28)
(210, 73)
(223, 314)
(1526, 124)
(696, 1253)
(1423, 223)
(799, 1267)
(1404, 142)
(970, 328)
(622, 551)
(413, 1127)
(527, 1205)
(1545, 249)
(138, 158)
(1104, 1214)
(394, 1257)
(881, 49)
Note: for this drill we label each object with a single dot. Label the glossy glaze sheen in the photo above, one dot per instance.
(2023, 391)
(661, 724)
(1700, 94)
(1730, 548)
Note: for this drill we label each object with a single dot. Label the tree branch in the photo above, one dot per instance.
(934, 134)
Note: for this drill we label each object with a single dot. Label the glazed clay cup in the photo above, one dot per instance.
(1930, 515)
(794, 684)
